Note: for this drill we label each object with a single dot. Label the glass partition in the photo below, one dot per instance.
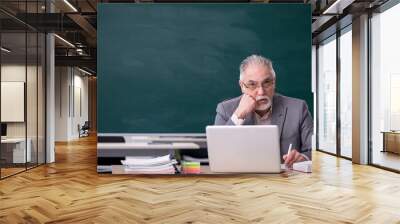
(22, 88)
(41, 87)
(13, 108)
(327, 95)
(346, 93)
(385, 89)
(31, 100)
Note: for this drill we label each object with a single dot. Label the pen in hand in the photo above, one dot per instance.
(288, 153)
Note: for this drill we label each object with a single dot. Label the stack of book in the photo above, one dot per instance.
(149, 165)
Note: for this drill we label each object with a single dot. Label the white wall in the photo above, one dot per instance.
(62, 81)
(80, 111)
(71, 102)
(12, 101)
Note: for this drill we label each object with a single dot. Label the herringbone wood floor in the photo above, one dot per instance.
(70, 191)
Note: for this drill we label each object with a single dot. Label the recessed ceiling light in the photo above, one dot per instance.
(70, 5)
(337, 7)
(5, 50)
(65, 41)
(84, 71)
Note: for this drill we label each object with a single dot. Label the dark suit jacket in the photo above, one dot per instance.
(291, 115)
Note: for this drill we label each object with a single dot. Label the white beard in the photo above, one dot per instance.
(263, 106)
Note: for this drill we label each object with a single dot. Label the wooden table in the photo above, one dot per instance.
(205, 171)
(14, 150)
(391, 141)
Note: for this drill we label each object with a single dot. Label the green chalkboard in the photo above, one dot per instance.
(162, 68)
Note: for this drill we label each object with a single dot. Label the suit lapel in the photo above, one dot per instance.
(278, 114)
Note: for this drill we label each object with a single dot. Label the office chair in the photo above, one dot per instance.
(84, 130)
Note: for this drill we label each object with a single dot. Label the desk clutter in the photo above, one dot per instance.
(168, 165)
(150, 165)
(148, 154)
(159, 165)
(170, 155)
(190, 167)
(304, 167)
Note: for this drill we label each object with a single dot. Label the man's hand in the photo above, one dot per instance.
(247, 105)
(293, 157)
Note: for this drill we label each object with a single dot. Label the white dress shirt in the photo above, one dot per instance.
(264, 120)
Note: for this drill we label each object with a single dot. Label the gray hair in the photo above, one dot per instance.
(258, 60)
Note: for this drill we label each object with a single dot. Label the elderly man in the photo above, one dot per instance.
(260, 105)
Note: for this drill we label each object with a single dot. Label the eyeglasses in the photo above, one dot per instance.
(265, 85)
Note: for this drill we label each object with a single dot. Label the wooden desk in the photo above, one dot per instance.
(391, 141)
(14, 150)
(205, 171)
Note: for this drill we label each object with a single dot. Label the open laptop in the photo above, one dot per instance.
(244, 149)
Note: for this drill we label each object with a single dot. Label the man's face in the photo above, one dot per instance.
(259, 82)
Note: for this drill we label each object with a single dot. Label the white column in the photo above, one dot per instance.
(360, 90)
(50, 99)
(50, 92)
(314, 91)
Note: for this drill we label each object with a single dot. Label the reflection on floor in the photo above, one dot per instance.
(10, 169)
(386, 159)
(71, 191)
